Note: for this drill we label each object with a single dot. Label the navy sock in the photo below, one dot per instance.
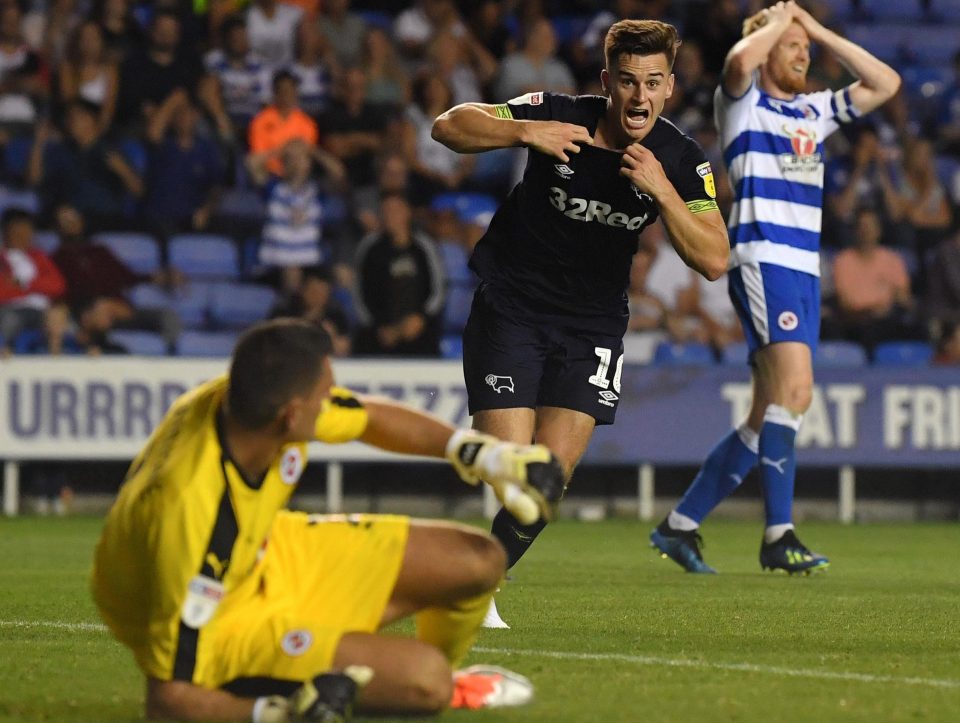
(722, 472)
(778, 464)
(515, 537)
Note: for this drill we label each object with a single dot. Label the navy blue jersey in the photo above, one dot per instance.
(563, 239)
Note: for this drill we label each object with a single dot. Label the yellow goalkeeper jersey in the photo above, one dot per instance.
(187, 527)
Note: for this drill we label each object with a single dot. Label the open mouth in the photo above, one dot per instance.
(637, 117)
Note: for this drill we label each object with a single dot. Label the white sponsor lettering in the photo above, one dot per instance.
(583, 209)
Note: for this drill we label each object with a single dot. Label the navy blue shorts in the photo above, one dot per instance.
(539, 360)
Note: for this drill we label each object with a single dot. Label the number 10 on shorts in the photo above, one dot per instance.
(599, 379)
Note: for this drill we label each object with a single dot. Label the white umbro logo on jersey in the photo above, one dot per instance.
(788, 321)
(563, 170)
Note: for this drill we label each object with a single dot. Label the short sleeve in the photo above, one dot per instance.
(693, 179)
(342, 419)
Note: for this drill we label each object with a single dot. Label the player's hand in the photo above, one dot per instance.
(643, 170)
(555, 138)
(782, 13)
(328, 698)
(527, 478)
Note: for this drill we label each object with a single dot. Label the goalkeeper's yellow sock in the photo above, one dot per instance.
(453, 629)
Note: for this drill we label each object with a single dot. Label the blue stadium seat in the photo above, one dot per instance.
(668, 354)
(204, 256)
(377, 19)
(141, 343)
(466, 205)
(903, 354)
(250, 266)
(931, 44)
(948, 171)
(891, 10)
(46, 241)
(883, 41)
(839, 354)
(236, 306)
(149, 296)
(736, 354)
(456, 309)
(139, 251)
(451, 346)
(26, 200)
(207, 343)
(493, 170)
(569, 28)
(192, 303)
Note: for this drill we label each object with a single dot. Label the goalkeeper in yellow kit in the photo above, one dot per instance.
(235, 608)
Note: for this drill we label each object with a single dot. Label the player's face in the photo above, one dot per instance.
(789, 60)
(638, 87)
(303, 411)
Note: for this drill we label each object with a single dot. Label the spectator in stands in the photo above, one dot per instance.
(587, 51)
(949, 117)
(673, 284)
(874, 302)
(281, 121)
(464, 64)
(400, 287)
(716, 27)
(535, 67)
(948, 347)
(93, 271)
(647, 324)
(47, 28)
(314, 302)
(292, 232)
(355, 131)
(89, 73)
(712, 306)
(121, 30)
(22, 86)
(94, 322)
(488, 24)
(691, 105)
(862, 179)
(56, 337)
(343, 30)
(943, 283)
(311, 70)
(272, 27)
(243, 80)
(434, 167)
(29, 280)
(388, 85)
(393, 177)
(84, 169)
(184, 173)
(416, 26)
(150, 74)
(920, 201)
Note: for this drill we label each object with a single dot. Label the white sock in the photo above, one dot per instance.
(676, 521)
(775, 532)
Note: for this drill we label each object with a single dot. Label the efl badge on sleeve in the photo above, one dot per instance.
(203, 597)
(706, 173)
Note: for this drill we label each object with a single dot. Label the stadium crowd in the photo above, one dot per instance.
(174, 171)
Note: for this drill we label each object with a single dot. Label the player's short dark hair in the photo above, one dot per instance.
(273, 362)
(14, 215)
(641, 37)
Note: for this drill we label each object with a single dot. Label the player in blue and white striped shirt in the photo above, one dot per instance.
(772, 136)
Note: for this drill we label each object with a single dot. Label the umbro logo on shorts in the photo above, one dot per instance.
(607, 398)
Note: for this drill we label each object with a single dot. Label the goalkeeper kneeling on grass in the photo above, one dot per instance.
(236, 609)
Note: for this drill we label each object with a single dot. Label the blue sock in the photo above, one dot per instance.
(778, 463)
(722, 472)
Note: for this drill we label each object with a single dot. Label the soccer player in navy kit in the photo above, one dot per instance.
(543, 347)
(772, 135)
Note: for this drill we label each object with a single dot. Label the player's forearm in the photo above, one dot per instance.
(397, 428)
(875, 76)
(750, 52)
(468, 128)
(174, 699)
(699, 239)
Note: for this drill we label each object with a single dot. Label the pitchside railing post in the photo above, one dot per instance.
(334, 487)
(847, 497)
(645, 492)
(11, 488)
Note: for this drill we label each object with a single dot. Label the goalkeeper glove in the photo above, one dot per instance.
(527, 478)
(328, 698)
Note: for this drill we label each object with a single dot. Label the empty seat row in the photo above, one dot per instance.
(830, 354)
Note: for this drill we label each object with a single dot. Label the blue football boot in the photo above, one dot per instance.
(789, 554)
(683, 547)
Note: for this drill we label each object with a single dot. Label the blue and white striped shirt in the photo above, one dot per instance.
(291, 234)
(773, 150)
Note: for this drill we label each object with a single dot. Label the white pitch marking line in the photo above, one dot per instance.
(739, 667)
(619, 657)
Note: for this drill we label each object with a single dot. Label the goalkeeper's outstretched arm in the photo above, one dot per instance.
(528, 479)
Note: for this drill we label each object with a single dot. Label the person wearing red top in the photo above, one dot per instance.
(29, 280)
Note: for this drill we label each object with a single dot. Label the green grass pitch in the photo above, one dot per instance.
(606, 629)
